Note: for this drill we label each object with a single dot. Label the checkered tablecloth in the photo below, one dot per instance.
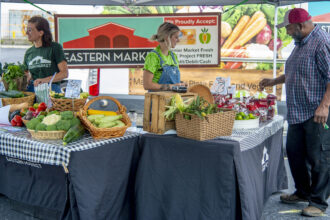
(249, 138)
(20, 145)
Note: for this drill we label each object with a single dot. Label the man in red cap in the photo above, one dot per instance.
(307, 83)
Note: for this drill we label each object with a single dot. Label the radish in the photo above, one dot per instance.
(271, 44)
(264, 35)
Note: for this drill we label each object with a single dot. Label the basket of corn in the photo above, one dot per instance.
(198, 119)
(105, 124)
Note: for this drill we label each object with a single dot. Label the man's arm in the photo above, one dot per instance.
(271, 82)
(322, 112)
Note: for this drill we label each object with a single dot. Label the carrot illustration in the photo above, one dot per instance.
(234, 35)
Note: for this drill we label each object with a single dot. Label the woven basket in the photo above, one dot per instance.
(68, 104)
(20, 82)
(202, 91)
(29, 98)
(25, 121)
(214, 125)
(50, 135)
(98, 133)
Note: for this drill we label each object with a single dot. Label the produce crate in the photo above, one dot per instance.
(154, 107)
(213, 125)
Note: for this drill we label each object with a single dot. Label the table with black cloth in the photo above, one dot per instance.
(224, 178)
(87, 179)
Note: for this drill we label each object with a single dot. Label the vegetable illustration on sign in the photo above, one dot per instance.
(204, 37)
(251, 28)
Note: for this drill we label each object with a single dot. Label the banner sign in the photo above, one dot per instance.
(101, 41)
(324, 26)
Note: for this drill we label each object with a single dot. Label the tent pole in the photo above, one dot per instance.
(0, 25)
(275, 47)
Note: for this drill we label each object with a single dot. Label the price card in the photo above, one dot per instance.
(73, 89)
(220, 86)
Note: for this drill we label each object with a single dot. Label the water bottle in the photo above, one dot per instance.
(133, 117)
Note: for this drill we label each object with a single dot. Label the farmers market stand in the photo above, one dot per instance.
(176, 178)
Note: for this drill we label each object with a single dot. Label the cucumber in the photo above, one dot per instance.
(12, 93)
(74, 133)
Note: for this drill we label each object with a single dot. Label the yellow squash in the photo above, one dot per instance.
(99, 112)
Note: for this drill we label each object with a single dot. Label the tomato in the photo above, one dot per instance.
(42, 106)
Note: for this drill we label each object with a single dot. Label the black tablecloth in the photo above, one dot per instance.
(38, 185)
(179, 178)
(99, 184)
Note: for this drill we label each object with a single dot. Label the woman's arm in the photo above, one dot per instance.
(148, 84)
(28, 75)
(62, 74)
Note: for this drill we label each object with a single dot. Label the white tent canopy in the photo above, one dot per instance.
(161, 2)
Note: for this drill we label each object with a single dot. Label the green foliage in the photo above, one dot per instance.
(198, 106)
(11, 71)
(132, 9)
(268, 66)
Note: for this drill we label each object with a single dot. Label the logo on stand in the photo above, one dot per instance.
(265, 159)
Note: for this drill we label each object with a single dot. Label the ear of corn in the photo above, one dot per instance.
(99, 112)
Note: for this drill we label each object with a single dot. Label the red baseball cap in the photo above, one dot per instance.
(293, 16)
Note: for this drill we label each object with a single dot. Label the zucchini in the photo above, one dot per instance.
(74, 133)
(12, 93)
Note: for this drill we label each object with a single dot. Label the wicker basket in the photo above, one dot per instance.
(50, 135)
(29, 98)
(214, 125)
(25, 121)
(21, 83)
(68, 104)
(98, 133)
(202, 91)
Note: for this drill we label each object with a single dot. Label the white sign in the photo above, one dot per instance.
(265, 159)
(220, 86)
(73, 89)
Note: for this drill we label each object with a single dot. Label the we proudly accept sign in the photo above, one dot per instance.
(91, 41)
